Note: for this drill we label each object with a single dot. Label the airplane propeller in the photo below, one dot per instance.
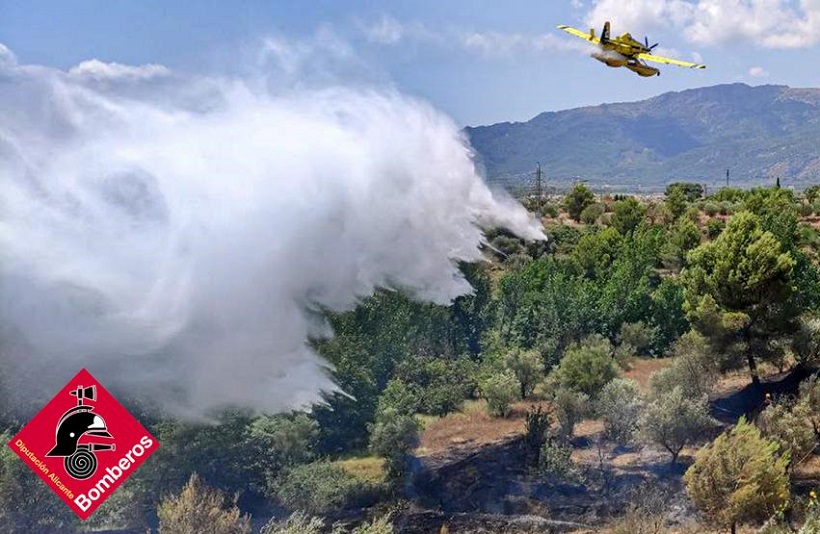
(646, 41)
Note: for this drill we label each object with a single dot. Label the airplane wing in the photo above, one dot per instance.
(659, 59)
(578, 33)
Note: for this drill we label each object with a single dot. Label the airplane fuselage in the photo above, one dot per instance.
(612, 58)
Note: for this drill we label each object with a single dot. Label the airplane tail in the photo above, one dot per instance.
(605, 33)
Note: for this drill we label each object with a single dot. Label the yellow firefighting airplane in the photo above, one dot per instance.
(624, 51)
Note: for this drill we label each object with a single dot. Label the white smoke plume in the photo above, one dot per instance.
(177, 235)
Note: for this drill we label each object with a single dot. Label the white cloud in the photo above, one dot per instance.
(639, 15)
(7, 57)
(499, 44)
(388, 31)
(758, 72)
(99, 70)
(769, 23)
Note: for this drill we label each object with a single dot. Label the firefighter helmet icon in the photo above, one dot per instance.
(80, 461)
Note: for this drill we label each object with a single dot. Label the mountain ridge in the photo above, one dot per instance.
(760, 133)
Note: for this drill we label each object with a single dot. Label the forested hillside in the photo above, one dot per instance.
(758, 133)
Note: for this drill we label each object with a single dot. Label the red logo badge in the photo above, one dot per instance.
(83, 444)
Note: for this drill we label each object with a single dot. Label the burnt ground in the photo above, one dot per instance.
(465, 487)
(487, 487)
(750, 400)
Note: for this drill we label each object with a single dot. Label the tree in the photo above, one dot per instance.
(527, 367)
(400, 397)
(683, 237)
(620, 405)
(693, 368)
(676, 201)
(578, 198)
(673, 420)
(738, 290)
(591, 213)
(667, 315)
(569, 407)
(638, 335)
(812, 193)
(628, 214)
(199, 508)
(587, 366)
(283, 441)
(691, 190)
(739, 477)
(806, 343)
(500, 390)
(595, 253)
(393, 437)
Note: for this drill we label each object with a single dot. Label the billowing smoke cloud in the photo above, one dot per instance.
(177, 236)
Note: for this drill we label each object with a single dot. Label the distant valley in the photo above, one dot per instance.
(758, 133)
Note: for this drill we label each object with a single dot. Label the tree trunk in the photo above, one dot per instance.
(734, 528)
(753, 369)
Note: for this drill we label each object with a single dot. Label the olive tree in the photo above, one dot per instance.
(620, 405)
(674, 420)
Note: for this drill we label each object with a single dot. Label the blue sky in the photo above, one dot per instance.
(479, 61)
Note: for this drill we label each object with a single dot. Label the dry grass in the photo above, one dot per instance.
(472, 426)
(367, 469)
(641, 369)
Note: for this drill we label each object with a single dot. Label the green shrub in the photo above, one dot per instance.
(527, 367)
(714, 227)
(318, 487)
(711, 209)
(199, 508)
(693, 368)
(507, 245)
(638, 335)
(393, 437)
(620, 405)
(535, 435)
(283, 441)
(550, 210)
(400, 397)
(500, 390)
(570, 407)
(739, 477)
(296, 523)
(555, 462)
(587, 366)
(300, 523)
(591, 213)
(789, 425)
(727, 208)
(442, 383)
